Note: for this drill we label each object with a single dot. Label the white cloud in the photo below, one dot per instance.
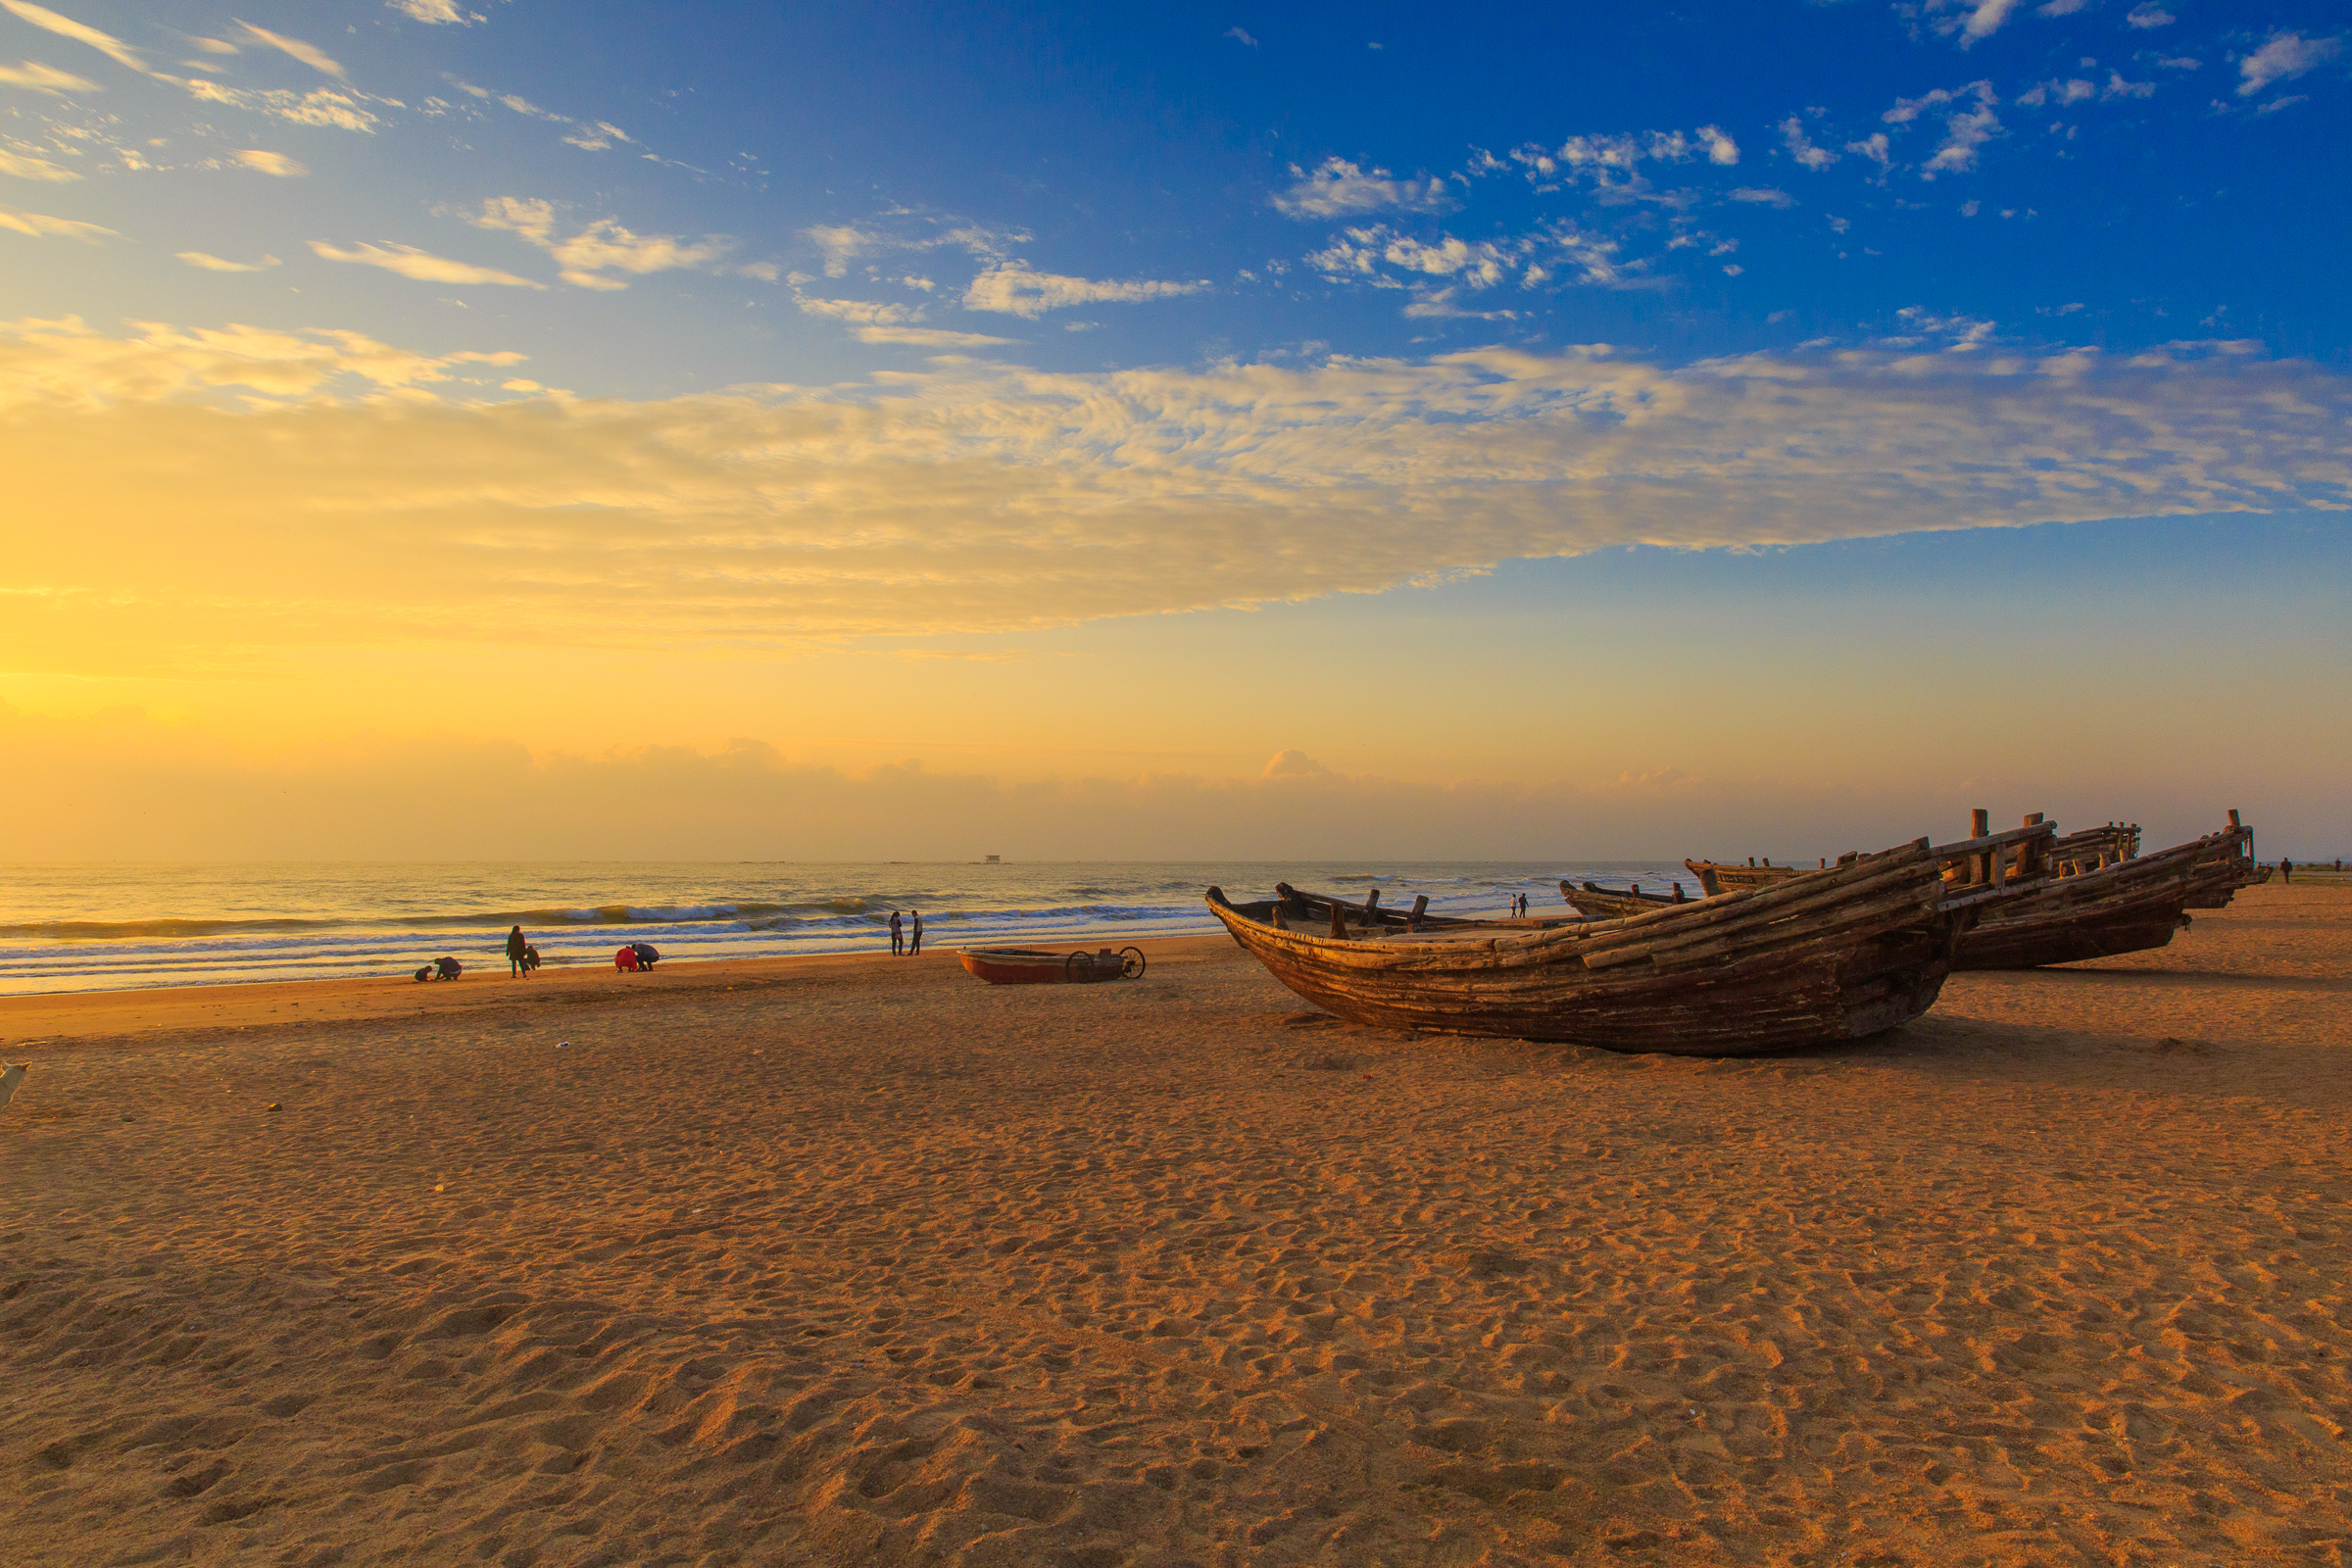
(932, 337)
(868, 311)
(1429, 303)
(2061, 8)
(1800, 147)
(1359, 254)
(1873, 147)
(1763, 196)
(44, 78)
(1338, 189)
(1981, 19)
(438, 12)
(1963, 135)
(2148, 14)
(955, 498)
(2059, 93)
(26, 167)
(2285, 56)
(41, 227)
(321, 106)
(410, 262)
(213, 264)
(1906, 109)
(106, 43)
(1601, 155)
(1012, 288)
(1241, 37)
(309, 54)
(277, 164)
(604, 246)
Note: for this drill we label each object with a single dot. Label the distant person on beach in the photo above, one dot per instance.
(2287, 870)
(626, 959)
(517, 945)
(897, 935)
(914, 939)
(530, 957)
(647, 954)
(447, 968)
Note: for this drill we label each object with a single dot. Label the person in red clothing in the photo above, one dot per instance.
(626, 959)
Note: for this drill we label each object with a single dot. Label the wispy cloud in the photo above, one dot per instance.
(1338, 189)
(1801, 146)
(1974, 21)
(321, 106)
(26, 167)
(2282, 58)
(946, 499)
(269, 162)
(442, 13)
(42, 79)
(42, 226)
(605, 246)
(1240, 37)
(1374, 253)
(106, 43)
(214, 264)
(877, 321)
(2148, 14)
(1013, 288)
(426, 268)
(1763, 196)
(309, 54)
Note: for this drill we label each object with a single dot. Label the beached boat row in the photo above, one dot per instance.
(1765, 959)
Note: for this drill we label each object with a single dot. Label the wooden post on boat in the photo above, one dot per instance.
(1979, 825)
(1372, 908)
(1338, 920)
(2029, 854)
(1412, 921)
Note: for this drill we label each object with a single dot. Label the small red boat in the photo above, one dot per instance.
(1033, 967)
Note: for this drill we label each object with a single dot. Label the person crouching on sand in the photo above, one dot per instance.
(518, 944)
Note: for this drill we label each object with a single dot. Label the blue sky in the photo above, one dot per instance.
(1359, 180)
(839, 376)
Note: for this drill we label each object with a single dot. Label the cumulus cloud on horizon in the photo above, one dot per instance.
(977, 497)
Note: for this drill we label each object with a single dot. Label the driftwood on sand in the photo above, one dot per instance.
(1838, 954)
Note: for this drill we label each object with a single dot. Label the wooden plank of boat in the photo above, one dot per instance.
(1724, 877)
(1834, 953)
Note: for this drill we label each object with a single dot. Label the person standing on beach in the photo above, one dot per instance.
(915, 943)
(898, 938)
(517, 945)
(2287, 870)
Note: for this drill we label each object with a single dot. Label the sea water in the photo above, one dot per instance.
(105, 926)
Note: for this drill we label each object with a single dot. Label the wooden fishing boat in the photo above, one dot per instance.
(1293, 910)
(1724, 877)
(1035, 966)
(1838, 954)
(2220, 874)
(2128, 906)
(1597, 902)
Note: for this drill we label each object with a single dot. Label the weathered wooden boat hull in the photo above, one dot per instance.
(1836, 954)
(1015, 966)
(1717, 877)
(1596, 902)
(2132, 906)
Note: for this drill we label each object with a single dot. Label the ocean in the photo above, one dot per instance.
(107, 926)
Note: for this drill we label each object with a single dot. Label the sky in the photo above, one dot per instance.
(898, 431)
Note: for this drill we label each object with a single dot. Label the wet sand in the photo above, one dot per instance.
(859, 1261)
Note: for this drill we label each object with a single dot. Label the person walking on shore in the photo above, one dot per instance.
(2287, 870)
(897, 935)
(914, 942)
(517, 945)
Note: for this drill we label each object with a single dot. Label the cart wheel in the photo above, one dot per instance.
(1131, 964)
(1077, 967)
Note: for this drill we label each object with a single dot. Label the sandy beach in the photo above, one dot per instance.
(856, 1260)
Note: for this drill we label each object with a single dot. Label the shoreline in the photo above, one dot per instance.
(62, 1020)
